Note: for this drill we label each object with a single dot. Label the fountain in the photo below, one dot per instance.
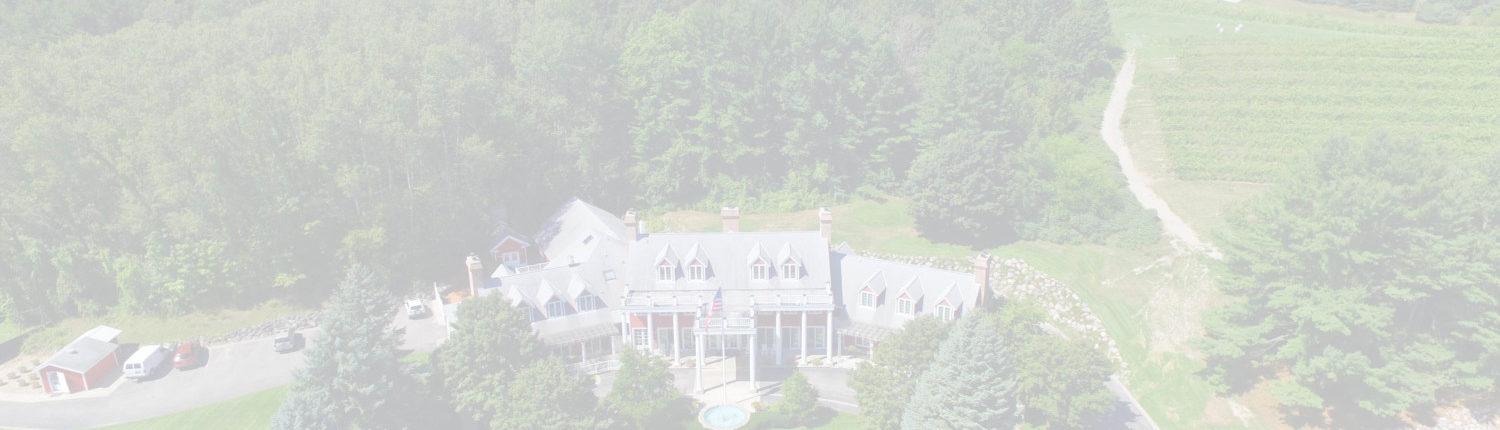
(723, 417)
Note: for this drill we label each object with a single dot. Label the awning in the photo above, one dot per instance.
(866, 331)
(581, 334)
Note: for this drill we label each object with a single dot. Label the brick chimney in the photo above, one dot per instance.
(825, 225)
(476, 274)
(982, 276)
(632, 225)
(731, 216)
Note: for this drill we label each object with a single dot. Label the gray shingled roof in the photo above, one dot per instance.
(576, 227)
(81, 355)
(926, 286)
(728, 256)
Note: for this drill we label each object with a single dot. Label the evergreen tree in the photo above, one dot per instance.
(546, 396)
(884, 384)
(971, 385)
(353, 377)
(799, 401)
(1059, 380)
(490, 344)
(642, 390)
(1368, 278)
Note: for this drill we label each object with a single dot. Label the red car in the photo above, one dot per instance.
(190, 354)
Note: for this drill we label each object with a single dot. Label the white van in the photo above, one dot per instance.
(146, 360)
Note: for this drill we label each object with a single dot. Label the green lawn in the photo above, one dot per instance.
(253, 411)
(151, 329)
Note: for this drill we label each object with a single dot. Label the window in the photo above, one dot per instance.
(867, 299)
(533, 315)
(589, 302)
(511, 259)
(666, 273)
(696, 272)
(641, 337)
(556, 308)
(789, 270)
(905, 305)
(762, 271)
(945, 313)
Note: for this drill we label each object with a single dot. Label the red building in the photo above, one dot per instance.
(86, 363)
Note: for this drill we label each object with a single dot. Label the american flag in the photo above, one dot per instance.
(715, 307)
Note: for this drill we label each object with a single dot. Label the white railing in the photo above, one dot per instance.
(530, 268)
(732, 301)
(596, 367)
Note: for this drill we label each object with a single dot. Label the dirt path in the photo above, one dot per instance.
(1183, 236)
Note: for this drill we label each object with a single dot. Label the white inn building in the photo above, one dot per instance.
(787, 295)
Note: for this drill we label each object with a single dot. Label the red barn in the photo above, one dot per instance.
(84, 364)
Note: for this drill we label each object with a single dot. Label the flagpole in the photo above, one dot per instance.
(724, 356)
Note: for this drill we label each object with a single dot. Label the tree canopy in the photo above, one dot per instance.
(165, 157)
(884, 384)
(1368, 280)
(353, 377)
(492, 342)
(971, 384)
(643, 390)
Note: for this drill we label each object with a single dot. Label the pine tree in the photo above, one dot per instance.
(971, 385)
(884, 384)
(353, 376)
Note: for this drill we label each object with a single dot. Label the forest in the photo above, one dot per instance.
(162, 156)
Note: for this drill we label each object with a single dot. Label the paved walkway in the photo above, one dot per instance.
(232, 371)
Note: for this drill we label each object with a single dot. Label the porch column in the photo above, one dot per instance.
(828, 335)
(753, 385)
(698, 366)
(676, 340)
(583, 351)
(651, 331)
(802, 336)
(777, 336)
(625, 328)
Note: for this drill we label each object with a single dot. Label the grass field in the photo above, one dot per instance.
(251, 412)
(1242, 106)
(151, 329)
(1215, 118)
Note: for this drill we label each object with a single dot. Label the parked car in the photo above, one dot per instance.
(144, 362)
(190, 354)
(288, 340)
(415, 309)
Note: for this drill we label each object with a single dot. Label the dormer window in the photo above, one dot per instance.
(589, 302)
(905, 305)
(945, 312)
(556, 308)
(867, 299)
(762, 271)
(666, 273)
(532, 314)
(790, 270)
(697, 271)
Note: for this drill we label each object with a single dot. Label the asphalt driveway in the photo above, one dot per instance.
(232, 371)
